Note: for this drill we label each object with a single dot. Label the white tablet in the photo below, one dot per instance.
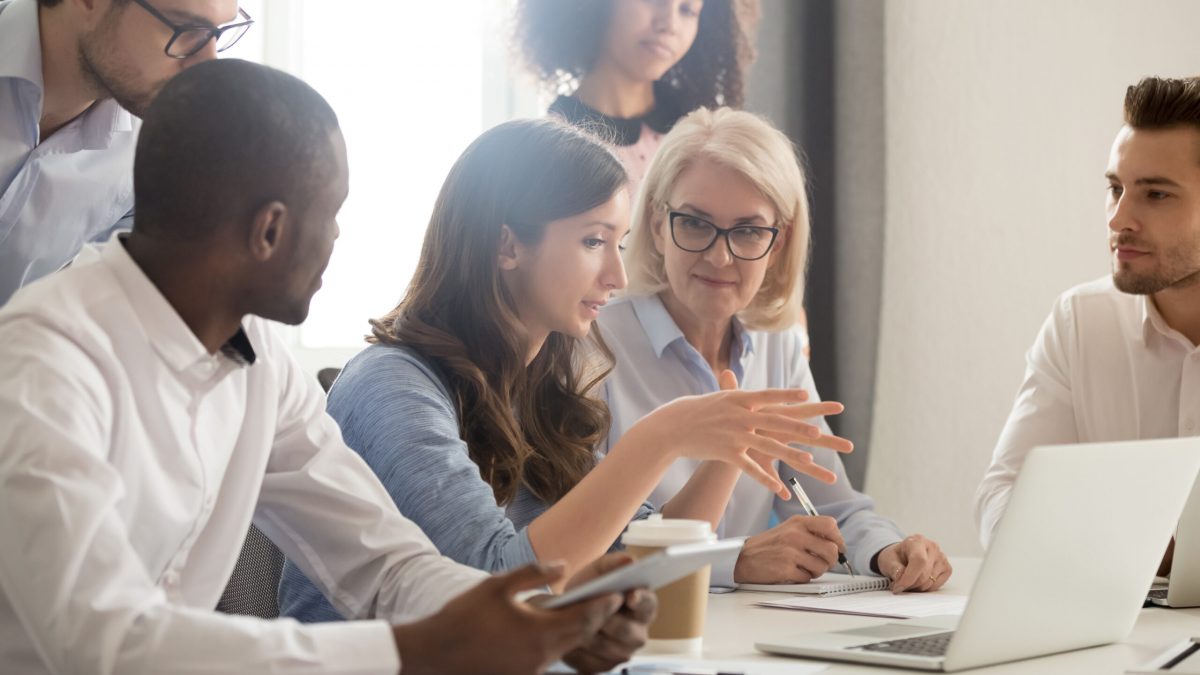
(655, 571)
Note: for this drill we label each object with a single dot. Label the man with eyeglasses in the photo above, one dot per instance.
(75, 76)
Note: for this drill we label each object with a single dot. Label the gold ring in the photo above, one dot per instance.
(897, 571)
(932, 578)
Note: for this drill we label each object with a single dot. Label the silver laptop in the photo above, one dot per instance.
(1052, 580)
(1183, 587)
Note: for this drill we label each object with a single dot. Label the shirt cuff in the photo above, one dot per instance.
(356, 647)
(866, 549)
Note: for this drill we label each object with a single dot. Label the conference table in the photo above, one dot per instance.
(734, 624)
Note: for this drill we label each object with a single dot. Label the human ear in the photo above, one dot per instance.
(657, 233)
(267, 230)
(509, 254)
(778, 246)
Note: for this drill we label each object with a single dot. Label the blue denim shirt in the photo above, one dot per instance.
(396, 412)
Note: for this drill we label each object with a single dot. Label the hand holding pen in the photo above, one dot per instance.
(811, 510)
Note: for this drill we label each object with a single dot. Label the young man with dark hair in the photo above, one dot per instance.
(149, 415)
(74, 76)
(1118, 359)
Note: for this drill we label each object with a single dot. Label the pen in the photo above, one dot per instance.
(812, 511)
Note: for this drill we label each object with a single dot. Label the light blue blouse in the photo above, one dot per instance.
(395, 411)
(656, 365)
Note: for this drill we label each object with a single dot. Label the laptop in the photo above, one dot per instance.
(1183, 587)
(1052, 580)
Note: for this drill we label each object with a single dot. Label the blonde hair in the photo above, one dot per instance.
(763, 155)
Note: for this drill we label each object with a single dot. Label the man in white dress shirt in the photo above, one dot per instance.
(1118, 359)
(74, 76)
(149, 415)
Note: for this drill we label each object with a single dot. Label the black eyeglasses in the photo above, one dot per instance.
(191, 38)
(696, 235)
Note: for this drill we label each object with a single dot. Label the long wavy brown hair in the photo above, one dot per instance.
(560, 40)
(535, 426)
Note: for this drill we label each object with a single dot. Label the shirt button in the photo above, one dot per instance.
(209, 501)
(171, 578)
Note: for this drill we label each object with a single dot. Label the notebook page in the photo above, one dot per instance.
(883, 604)
(826, 584)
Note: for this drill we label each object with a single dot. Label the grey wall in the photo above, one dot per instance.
(819, 77)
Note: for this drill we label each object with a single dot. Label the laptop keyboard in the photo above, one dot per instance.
(925, 645)
(1158, 594)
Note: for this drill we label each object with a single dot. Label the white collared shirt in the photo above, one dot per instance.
(74, 187)
(132, 463)
(655, 365)
(1105, 367)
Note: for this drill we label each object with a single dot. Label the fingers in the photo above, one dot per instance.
(599, 567)
(917, 566)
(576, 624)
(640, 605)
(728, 380)
(765, 475)
(797, 459)
(763, 397)
(528, 577)
(813, 564)
(942, 570)
(825, 531)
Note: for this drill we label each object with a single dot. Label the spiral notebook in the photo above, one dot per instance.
(825, 585)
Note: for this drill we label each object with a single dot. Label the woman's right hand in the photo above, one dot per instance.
(747, 429)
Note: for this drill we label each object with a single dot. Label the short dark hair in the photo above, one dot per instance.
(222, 139)
(1159, 102)
(561, 39)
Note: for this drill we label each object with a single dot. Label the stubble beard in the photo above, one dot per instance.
(1179, 269)
(109, 81)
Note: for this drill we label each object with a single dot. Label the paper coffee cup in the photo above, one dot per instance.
(679, 626)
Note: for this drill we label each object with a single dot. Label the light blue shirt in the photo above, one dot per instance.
(395, 411)
(656, 365)
(70, 189)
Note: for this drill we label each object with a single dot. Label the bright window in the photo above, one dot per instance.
(413, 84)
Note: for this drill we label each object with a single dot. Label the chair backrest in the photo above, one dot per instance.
(253, 587)
(255, 580)
(326, 376)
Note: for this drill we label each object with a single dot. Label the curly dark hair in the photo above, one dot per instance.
(559, 43)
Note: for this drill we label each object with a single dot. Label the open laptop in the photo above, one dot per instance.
(1054, 579)
(1183, 587)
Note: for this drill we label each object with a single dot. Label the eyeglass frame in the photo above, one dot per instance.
(214, 32)
(720, 232)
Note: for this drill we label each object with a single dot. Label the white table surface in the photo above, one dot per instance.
(734, 624)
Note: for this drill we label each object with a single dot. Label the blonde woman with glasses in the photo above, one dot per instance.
(716, 264)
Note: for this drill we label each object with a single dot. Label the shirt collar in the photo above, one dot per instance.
(21, 58)
(662, 330)
(1153, 323)
(168, 334)
(623, 131)
(20, 43)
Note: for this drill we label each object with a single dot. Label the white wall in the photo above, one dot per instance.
(999, 117)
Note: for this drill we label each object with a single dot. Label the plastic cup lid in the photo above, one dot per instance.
(659, 531)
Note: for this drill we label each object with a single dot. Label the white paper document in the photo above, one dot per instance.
(883, 604)
(659, 665)
(669, 664)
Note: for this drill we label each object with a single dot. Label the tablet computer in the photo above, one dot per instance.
(655, 571)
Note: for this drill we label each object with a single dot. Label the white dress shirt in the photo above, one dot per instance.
(655, 365)
(1105, 367)
(132, 463)
(61, 192)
